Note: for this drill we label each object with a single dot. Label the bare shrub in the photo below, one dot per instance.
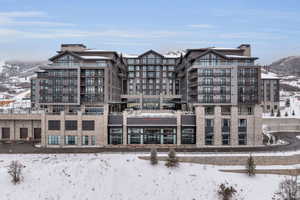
(288, 189)
(226, 192)
(15, 171)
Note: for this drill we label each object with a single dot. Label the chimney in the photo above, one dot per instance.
(246, 48)
(73, 47)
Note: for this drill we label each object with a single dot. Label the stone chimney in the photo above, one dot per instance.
(247, 49)
(73, 47)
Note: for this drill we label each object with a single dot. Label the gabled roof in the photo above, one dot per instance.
(224, 55)
(63, 53)
(210, 51)
(151, 51)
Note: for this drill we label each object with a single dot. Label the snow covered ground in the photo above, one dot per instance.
(123, 177)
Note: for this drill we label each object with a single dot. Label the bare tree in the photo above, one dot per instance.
(172, 160)
(153, 156)
(15, 171)
(288, 189)
(226, 192)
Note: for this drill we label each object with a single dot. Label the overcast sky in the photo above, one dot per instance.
(34, 29)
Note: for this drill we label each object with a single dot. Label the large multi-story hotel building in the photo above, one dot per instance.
(202, 97)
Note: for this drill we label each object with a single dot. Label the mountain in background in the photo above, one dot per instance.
(289, 66)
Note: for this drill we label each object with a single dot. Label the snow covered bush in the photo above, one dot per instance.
(172, 160)
(250, 166)
(288, 189)
(15, 171)
(287, 103)
(153, 156)
(272, 113)
(226, 192)
(278, 113)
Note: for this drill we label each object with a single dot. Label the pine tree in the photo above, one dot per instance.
(272, 112)
(250, 166)
(153, 156)
(172, 160)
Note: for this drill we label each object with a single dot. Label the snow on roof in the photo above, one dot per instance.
(237, 56)
(95, 57)
(172, 55)
(223, 48)
(98, 50)
(130, 56)
(269, 75)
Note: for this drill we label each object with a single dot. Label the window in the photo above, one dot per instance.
(53, 139)
(85, 140)
(71, 125)
(93, 140)
(70, 140)
(53, 125)
(242, 138)
(88, 125)
(5, 133)
(242, 122)
(37, 133)
(188, 136)
(209, 132)
(115, 136)
(23, 133)
(225, 139)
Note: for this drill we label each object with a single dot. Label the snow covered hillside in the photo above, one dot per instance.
(123, 177)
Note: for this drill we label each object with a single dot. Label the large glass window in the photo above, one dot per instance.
(85, 140)
(209, 131)
(242, 138)
(53, 139)
(135, 135)
(115, 136)
(70, 140)
(188, 136)
(93, 140)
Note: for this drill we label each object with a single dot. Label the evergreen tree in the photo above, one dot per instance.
(278, 113)
(153, 156)
(172, 160)
(250, 166)
(272, 112)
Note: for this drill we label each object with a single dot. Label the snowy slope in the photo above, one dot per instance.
(122, 177)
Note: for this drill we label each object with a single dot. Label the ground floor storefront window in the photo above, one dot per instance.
(115, 136)
(151, 135)
(70, 140)
(188, 136)
(53, 139)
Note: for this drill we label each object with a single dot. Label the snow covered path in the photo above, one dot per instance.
(122, 177)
